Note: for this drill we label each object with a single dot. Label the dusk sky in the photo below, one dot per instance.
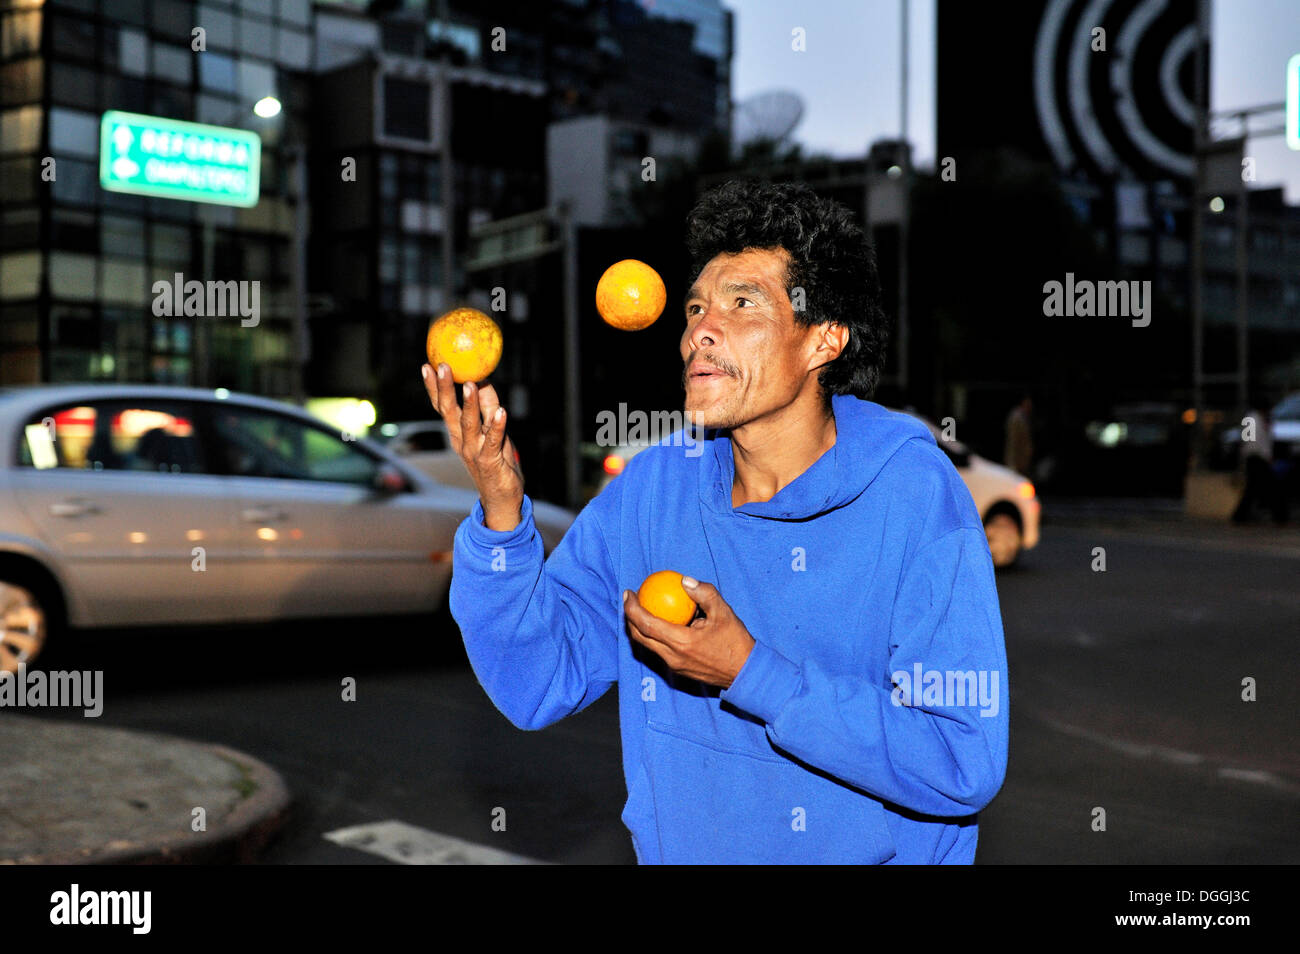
(849, 76)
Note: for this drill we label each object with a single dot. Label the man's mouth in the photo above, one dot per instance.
(704, 372)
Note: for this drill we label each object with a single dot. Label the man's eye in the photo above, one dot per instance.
(739, 300)
(689, 312)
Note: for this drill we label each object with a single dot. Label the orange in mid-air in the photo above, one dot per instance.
(630, 295)
(467, 341)
(663, 595)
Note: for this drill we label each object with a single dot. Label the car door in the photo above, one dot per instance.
(317, 537)
(121, 490)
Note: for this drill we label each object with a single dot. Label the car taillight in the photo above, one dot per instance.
(613, 465)
(1026, 490)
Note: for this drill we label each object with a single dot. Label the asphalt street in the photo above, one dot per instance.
(1125, 691)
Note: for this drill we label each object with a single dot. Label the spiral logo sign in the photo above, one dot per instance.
(1114, 86)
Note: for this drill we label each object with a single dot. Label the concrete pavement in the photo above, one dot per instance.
(79, 793)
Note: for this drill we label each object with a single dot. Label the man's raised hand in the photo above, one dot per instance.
(478, 434)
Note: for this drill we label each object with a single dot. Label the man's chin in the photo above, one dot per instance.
(707, 418)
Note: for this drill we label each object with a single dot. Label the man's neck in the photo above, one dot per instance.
(772, 452)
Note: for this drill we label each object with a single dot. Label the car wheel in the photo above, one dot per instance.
(1005, 539)
(25, 621)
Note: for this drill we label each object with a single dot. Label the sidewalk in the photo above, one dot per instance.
(76, 793)
(1164, 518)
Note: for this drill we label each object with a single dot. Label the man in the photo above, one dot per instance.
(1018, 453)
(1262, 484)
(812, 715)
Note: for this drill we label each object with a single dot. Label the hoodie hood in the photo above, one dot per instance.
(866, 436)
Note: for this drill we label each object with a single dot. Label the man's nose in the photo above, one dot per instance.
(706, 333)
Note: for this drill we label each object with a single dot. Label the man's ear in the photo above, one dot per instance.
(832, 338)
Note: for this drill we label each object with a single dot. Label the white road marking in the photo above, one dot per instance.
(410, 845)
(1177, 756)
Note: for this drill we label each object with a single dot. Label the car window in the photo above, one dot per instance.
(431, 440)
(255, 443)
(153, 436)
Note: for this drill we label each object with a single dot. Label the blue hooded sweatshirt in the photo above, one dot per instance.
(869, 722)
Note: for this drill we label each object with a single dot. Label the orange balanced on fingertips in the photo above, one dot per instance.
(467, 341)
(663, 595)
(630, 295)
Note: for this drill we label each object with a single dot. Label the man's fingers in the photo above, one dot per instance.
(471, 425)
(659, 631)
(442, 395)
(488, 402)
(706, 595)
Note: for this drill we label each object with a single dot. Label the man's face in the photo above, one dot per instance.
(743, 354)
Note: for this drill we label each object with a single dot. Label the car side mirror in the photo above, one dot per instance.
(389, 480)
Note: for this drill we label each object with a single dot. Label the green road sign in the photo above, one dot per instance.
(149, 155)
(1293, 102)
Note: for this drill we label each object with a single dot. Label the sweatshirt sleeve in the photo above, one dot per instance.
(929, 756)
(540, 633)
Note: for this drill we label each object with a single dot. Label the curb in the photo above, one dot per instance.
(238, 839)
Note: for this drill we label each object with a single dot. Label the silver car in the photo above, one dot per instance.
(125, 505)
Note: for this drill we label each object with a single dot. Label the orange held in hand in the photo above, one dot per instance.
(663, 595)
(467, 341)
(630, 295)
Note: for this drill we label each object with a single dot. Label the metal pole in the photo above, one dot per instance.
(444, 161)
(298, 262)
(904, 215)
(571, 370)
(1243, 288)
(202, 331)
(1199, 132)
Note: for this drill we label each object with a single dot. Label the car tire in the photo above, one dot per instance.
(31, 617)
(1005, 538)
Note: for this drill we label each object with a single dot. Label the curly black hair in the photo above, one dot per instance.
(830, 259)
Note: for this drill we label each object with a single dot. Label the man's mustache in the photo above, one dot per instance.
(723, 366)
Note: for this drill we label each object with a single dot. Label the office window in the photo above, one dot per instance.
(134, 12)
(173, 18)
(19, 228)
(20, 129)
(122, 282)
(20, 34)
(77, 183)
(121, 235)
(217, 72)
(20, 275)
(18, 179)
(406, 108)
(169, 100)
(256, 37)
(255, 80)
(293, 49)
(133, 52)
(74, 230)
(20, 82)
(296, 11)
(74, 86)
(220, 27)
(74, 133)
(170, 243)
(172, 63)
(123, 92)
(72, 277)
(72, 37)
